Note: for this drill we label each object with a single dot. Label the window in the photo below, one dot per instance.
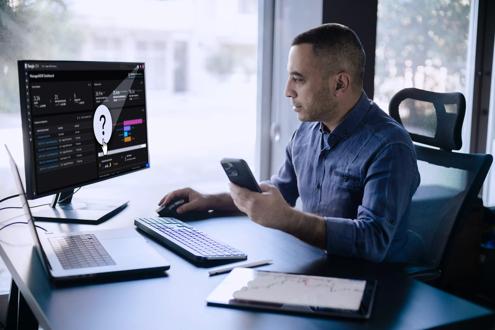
(431, 45)
(422, 44)
(289, 18)
(427, 45)
(199, 110)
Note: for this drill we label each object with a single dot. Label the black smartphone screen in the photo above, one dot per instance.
(239, 173)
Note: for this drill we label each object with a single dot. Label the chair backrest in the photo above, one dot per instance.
(450, 181)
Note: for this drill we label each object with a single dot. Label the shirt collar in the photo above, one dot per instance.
(350, 123)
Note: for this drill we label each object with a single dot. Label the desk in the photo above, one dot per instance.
(177, 300)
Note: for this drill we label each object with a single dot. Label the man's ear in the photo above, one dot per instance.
(342, 82)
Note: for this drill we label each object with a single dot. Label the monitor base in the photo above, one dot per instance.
(92, 213)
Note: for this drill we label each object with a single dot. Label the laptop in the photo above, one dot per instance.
(88, 255)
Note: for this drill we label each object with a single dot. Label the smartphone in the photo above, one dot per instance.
(239, 173)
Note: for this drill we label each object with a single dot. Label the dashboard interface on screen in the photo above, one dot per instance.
(82, 122)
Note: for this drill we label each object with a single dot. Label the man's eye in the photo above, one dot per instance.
(296, 79)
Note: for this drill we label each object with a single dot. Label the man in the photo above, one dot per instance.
(352, 165)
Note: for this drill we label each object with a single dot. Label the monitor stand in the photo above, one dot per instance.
(63, 210)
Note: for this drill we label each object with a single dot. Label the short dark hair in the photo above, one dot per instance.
(340, 45)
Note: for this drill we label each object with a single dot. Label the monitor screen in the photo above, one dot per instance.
(82, 122)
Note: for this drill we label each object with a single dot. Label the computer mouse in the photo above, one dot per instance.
(170, 209)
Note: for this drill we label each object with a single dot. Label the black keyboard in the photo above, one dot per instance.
(80, 251)
(188, 242)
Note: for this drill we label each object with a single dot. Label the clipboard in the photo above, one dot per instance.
(295, 293)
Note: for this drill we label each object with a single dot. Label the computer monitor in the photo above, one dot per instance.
(82, 122)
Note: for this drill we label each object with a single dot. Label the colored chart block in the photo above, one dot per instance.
(127, 128)
(126, 133)
(133, 122)
(128, 139)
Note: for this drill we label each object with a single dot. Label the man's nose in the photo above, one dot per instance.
(289, 91)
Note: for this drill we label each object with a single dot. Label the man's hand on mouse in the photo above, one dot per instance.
(195, 201)
(268, 209)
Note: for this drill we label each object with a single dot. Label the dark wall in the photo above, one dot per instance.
(361, 16)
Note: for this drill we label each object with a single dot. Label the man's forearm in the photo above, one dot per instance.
(307, 227)
(223, 203)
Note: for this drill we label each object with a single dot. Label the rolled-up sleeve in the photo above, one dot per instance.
(390, 181)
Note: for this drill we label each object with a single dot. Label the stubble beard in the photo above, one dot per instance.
(321, 109)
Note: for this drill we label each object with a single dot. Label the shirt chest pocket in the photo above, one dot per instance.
(344, 180)
(342, 195)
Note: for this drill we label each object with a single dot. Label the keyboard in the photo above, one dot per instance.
(80, 251)
(187, 241)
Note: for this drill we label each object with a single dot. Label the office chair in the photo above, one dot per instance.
(450, 181)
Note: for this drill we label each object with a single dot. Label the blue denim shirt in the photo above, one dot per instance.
(360, 178)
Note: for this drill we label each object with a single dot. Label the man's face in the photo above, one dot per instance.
(309, 86)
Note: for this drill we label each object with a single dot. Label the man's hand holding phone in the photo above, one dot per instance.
(268, 209)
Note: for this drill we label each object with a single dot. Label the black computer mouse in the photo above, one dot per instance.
(170, 210)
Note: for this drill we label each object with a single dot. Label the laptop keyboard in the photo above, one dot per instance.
(80, 251)
(188, 241)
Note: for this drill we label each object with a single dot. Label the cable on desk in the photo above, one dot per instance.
(8, 197)
(16, 195)
(20, 207)
(20, 222)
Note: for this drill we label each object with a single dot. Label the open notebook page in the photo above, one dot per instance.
(303, 290)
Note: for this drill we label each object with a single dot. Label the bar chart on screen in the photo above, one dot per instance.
(127, 129)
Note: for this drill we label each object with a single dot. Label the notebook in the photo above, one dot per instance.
(295, 293)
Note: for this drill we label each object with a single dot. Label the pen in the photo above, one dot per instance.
(251, 264)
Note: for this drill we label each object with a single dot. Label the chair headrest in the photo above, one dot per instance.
(430, 118)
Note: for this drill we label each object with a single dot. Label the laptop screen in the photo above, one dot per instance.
(25, 205)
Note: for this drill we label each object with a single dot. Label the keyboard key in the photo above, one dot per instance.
(80, 251)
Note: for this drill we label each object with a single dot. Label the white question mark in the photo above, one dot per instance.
(101, 116)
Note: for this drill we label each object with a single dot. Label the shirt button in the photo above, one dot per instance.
(318, 186)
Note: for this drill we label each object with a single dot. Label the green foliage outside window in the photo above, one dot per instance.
(422, 44)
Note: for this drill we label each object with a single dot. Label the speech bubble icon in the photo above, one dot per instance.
(102, 125)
